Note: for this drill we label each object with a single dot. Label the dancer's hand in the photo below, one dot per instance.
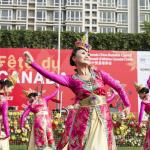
(23, 130)
(112, 90)
(28, 56)
(56, 85)
(122, 115)
(1, 65)
(126, 110)
(4, 138)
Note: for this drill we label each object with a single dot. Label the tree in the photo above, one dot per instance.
(146, 26)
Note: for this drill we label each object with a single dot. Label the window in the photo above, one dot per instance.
(41, 15)
(107, 29)
(94, 14)
(142, 30)
(123, 30)
(122, 3)
(94, 6)
(31, 14)
(20, 27)
(94, 21)
(74, 28)
(87, 13)
(107, 16)
(41, 28)
(41, 2)
(5, 27)
(5, 14)
(50, 28)
(22, 2)
(74, 15)
(5, 2)
(74, 2)
(56, 16)
(122, 18)
(94, 29)
(87, 29)
(56, 2)
(144, 4)
(87, 21)
(21, 14)
(87, 6)
(107, 3)
(55, 28)
(144, 17)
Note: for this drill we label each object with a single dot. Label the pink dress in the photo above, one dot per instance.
(69, 122)
(43, 136)
(145, 107)
(92, 125)
(4, 113)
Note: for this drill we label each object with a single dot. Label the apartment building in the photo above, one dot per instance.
(76, 15)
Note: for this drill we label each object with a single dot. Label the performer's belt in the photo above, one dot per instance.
(93, 100)
(42, 113)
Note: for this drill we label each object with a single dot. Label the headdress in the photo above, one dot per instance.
(13, 78)
(83, 43)
(36, 90)
(27, 92)
(138, 87)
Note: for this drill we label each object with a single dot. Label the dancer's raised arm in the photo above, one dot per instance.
(142, 109)
(60, 79)
(24, 115)
(5, 118)
(50, 97)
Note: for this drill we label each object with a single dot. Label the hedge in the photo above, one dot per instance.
(49, 39)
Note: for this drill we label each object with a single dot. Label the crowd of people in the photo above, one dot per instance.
(89, 124)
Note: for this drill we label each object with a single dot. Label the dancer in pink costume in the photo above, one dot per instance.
(6, 87)
(145, 107)
(92, 125)
(42, 136)
(72, 109)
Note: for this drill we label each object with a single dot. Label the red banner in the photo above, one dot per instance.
(120, 64)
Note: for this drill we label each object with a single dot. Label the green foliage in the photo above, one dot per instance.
(99, 41)
(146, 26)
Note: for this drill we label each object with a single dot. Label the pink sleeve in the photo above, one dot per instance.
(60, 79)
(5, 118)
(116, 86)
(142, 108)
(23, 116)
(110, 99)
(148, 82)
(47, 98)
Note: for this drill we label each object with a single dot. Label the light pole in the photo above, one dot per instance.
(59, 47)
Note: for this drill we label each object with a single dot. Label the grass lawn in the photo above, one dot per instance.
(129, 148)
(24, 147)
(18, 147)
